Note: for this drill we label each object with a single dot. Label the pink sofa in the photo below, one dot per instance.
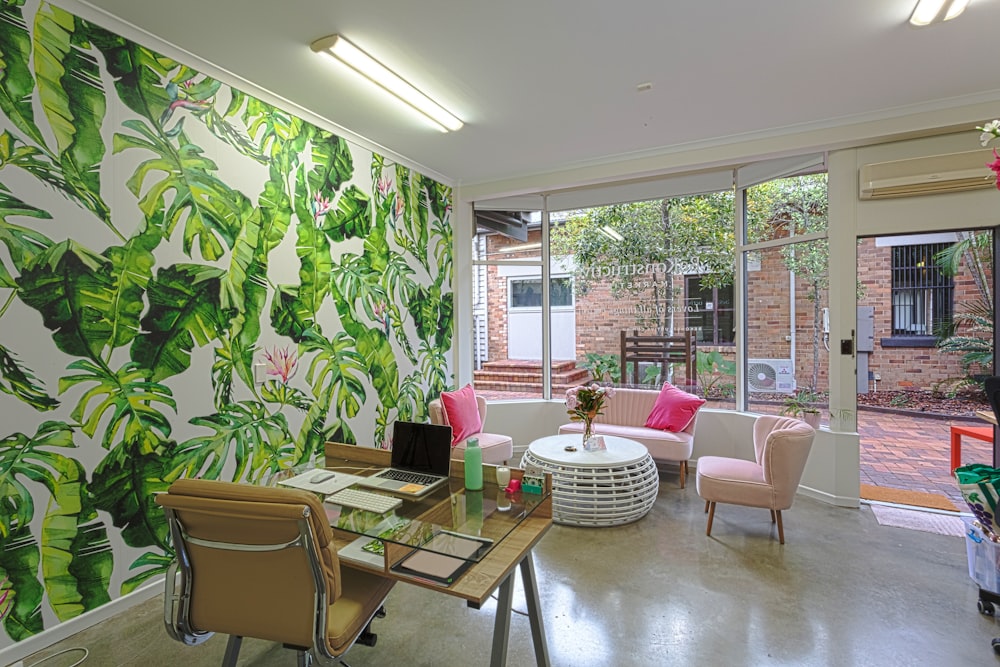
(624, 416)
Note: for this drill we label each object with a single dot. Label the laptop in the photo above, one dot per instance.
(421, 457)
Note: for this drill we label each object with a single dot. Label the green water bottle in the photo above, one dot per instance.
(473, 465)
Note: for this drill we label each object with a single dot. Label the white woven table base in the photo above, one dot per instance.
(599, 495)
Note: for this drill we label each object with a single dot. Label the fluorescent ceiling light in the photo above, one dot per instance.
(931, 11)
(379, 74)
(611, 233)
(521, 247)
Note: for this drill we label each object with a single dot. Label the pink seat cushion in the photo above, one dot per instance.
(674, 409)
(462, 413)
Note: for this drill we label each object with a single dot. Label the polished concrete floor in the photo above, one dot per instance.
(843, 590)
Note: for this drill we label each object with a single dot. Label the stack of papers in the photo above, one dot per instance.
(326, 481)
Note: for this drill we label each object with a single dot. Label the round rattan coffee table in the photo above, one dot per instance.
(602, 488)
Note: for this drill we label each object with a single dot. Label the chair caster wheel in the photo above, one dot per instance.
(367, 638)
(986, 608)
(380, 613)
(996, 645)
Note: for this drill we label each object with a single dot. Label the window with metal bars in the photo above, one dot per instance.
(922, 295)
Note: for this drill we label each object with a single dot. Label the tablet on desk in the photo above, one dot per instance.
(444, 558)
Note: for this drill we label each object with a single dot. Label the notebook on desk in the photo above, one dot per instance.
(421, 456)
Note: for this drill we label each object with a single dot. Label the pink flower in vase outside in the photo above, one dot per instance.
(995, 166)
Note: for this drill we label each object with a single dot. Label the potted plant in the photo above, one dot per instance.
(801, 405)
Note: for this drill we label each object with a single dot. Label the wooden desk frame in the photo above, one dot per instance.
(494, 571)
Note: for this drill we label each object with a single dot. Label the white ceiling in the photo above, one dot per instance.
(547, 85)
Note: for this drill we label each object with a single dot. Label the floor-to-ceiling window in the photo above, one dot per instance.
(785, 264)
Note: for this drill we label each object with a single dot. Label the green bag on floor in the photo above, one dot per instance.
(978, 484)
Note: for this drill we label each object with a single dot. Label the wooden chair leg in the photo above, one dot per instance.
(684, 472)
(772, 517)
(711, 515)
(781, 530)
(707, 503)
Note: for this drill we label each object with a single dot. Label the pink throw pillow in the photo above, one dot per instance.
(674, 409)
(461, 412)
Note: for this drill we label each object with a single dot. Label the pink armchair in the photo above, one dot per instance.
(497, 449)
(781, 448)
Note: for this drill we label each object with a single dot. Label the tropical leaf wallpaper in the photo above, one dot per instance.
(166, 242)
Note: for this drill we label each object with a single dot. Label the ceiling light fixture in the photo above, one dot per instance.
(379, 74)
(933, 11)
(611, 233)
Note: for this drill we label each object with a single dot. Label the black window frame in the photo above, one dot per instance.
(690, 305)
(921, 298)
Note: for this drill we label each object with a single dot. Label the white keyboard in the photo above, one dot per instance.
(364, 500)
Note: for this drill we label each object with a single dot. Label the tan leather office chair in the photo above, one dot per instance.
(781, 448)
(258, 562)
(497, 449)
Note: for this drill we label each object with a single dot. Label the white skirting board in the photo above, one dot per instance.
(22, 649)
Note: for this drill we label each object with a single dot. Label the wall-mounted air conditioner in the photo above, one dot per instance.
(952, 172)
(771, 376)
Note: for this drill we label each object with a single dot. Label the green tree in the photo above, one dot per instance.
(658, 235)
(970, 331)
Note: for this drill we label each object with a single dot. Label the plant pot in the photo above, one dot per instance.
(811, 418)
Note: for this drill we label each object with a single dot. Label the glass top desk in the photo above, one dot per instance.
(507, 537)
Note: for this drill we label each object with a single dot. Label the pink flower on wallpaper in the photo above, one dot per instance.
(400, 204)
(281, 362)
(384, 185)
(6, 599)
(320, 206)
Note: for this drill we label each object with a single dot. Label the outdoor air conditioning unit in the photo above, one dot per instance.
(952, 172)
(771, 376)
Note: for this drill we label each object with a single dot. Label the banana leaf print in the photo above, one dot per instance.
(19, 563)
(73, 289)
(69, 88)
(183, 312)
(76, 556)
(16, 81)
(125, 486)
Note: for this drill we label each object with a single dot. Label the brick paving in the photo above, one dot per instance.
(914, 452)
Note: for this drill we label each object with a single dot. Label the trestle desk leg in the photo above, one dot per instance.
(534, 610)
(501, 624)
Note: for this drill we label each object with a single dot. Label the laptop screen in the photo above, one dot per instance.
(421, 447)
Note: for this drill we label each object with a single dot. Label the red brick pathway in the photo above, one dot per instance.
(913, 453)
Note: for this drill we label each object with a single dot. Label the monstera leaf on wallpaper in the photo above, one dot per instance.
(18, 380)
(259, 442)
(207, 206)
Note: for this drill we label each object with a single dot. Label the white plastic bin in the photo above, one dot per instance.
(984, 558)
